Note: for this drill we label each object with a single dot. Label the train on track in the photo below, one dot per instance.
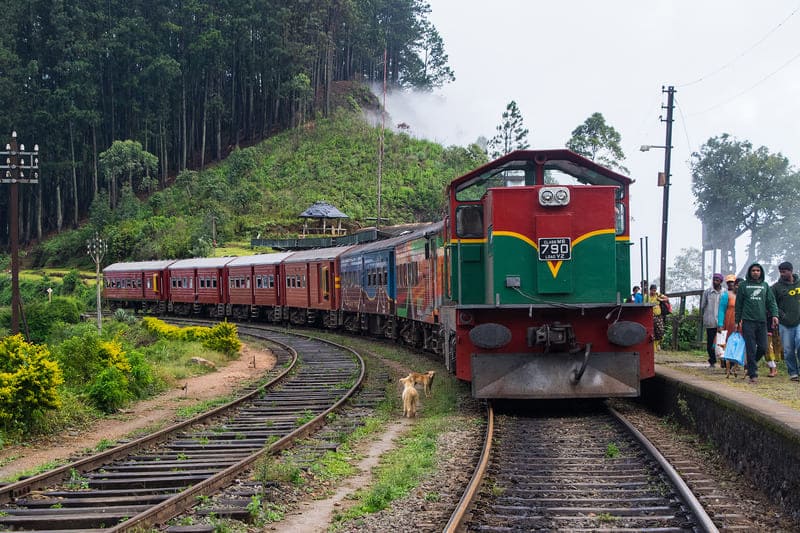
(520, 290)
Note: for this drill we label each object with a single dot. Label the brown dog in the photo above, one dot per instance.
(426, 380)
(410, 397)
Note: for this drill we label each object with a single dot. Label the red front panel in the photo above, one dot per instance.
(590, 325)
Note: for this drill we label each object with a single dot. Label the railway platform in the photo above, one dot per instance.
(755, 427)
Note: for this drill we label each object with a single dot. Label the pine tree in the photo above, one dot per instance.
(511, 133)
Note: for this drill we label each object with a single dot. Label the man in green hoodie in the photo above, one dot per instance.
(787, 296)
(753, 300)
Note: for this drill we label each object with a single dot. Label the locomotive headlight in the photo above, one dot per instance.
(553, 196)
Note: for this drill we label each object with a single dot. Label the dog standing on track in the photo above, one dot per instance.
(410, 397)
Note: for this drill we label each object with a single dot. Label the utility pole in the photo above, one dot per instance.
(96, 248)
(665, 207)
(20, 167)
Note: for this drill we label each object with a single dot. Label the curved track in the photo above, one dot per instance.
(150, 480)
(578, 472)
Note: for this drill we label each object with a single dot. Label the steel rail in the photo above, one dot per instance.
(185, 500)
(62, 473)
(471, 490)
(696, 508)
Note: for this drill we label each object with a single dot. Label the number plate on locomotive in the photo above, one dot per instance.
(555, 249)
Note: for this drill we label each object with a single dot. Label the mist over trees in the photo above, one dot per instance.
(741, 190)
(188, 81)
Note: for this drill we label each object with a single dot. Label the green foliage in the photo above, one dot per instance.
(596, 140)
(738, 190)
(29, 380)
(44, 317)
(262, 189)
(71, 282)
(109, 390)
(688, 327)
(223, 338)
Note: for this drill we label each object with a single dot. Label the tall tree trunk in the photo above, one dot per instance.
(59, 211)
(95, 174)
(75, 214)
(203, 135)
(218, 112)
(184, 147)
(39, 210)
(234, 115)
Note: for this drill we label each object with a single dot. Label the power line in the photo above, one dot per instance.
(742, 54)
(756, 84)
(683, 123)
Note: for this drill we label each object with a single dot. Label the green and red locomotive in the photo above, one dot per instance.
(539, 265)
(518, 291)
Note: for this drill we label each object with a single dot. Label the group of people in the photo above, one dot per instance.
(654, 298)
(768, 317)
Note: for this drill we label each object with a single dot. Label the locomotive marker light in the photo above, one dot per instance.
(553, 196)
(17, 162)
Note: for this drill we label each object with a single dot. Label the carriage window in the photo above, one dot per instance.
(469, 221)
(247, 282)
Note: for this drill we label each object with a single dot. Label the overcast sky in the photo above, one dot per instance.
(735, 65)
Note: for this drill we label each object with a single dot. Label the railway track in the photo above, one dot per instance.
(152, 479)
(579, 472)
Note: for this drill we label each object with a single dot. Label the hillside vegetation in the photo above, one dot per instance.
(262, 190)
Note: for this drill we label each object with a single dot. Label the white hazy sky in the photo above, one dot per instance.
(735, 65)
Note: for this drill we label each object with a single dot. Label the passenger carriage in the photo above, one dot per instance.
(198, 286)
(312, 287)
(254, 286)
(140, 286)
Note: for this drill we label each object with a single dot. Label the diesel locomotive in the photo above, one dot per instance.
(520, 290)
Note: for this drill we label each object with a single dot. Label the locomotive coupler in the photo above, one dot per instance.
(555, 335)
(578, 374)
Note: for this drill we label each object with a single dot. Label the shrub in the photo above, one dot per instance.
(70, 282)
(223, 338)
(41, 317)
(29, 380)
(109, 390)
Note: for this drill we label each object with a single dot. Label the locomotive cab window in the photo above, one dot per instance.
(469, 221)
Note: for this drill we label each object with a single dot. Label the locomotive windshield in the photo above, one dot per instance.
(523, 172)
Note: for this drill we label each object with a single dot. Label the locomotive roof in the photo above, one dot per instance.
(427, 229)
(259, 259)
(139, 266)
(321, 254)
(582, 169)
(201, 262)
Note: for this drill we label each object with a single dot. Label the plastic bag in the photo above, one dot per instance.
(734, 349)
(722, 337)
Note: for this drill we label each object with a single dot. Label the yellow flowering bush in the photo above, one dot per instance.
(29, 380)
